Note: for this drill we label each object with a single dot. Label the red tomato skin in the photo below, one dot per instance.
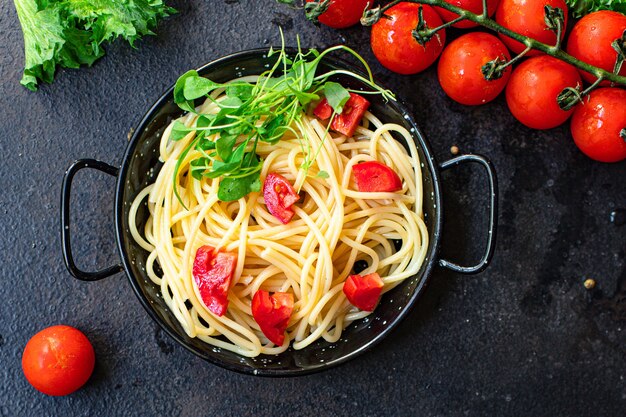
(272, 314)
(590, 41)
(323, 110)
(374, 176)
(350, 117)
(279, 196)
(474, 6)
(212, 272)
(363, 292)
(526, 17)
(342, 13)
(58, 360)
(394, 46)
(597, 122)
(532, 91)
(459, 68)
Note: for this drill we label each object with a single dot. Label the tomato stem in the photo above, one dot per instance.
(555, 19)
(622, 133)
(371, 16)
(530, 43)
(494, 69)
(485, 10)
(570, 96)
(422, 33)
(315, 9)
(619, 45)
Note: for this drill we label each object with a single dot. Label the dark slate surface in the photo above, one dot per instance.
(523, 338)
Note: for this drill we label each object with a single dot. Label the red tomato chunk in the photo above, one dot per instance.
(374, 176)
(363, 292)
(272, 313)
(349, 119)
(279, 196)
(212, 272)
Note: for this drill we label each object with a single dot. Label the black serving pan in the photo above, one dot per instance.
(140, 166)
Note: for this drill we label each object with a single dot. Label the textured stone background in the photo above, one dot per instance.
(523, 338)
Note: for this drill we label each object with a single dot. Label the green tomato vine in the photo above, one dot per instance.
(554, 18)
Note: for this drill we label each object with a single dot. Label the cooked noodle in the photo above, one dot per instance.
(311, 256)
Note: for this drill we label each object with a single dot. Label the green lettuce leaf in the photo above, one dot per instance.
(71, 33)
(582, 7)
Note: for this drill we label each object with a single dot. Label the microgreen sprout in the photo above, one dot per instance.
(265, 110)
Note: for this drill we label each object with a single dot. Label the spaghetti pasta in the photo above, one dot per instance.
(310, 257)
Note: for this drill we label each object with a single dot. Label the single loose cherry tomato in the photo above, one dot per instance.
(374, 176)
(272, 313)
(591, 39)
(279, 196)
(363, 292)
(342, 13)
(58, 360)
(599, 125)
(532, 91)
(394, 45)
(527, 17)
(350, 117)
(474, 6)
(460, 68)
(212, 272)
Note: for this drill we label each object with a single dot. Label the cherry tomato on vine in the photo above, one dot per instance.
(342, 13)
(394, 45)
(532, 91)
(591, 39)
(460, 65)
(599, 125)
(58, 360)
(527, 17)
(474, 6)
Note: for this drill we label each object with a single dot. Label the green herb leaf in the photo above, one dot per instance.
(199, 166)
(205, 144)
(224, 146)
(179, 91)
(179, 131)
(322, 174)
(242, 91)
(232, 189)
(238, 153)
(274, 128)
(336, 95)
(229, 105)
(197, 86)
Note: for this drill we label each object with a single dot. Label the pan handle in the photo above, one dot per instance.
(65, 220)
(493, 213)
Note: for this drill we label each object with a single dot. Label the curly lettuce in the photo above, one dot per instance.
(582, 7)
(71, 33)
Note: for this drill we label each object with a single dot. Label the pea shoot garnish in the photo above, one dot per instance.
(265, 110)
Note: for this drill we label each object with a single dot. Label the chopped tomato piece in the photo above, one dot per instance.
(272, 313)
(212, 272)
(279, 196)
(363, 292)
(348, 120)
(374, 176)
